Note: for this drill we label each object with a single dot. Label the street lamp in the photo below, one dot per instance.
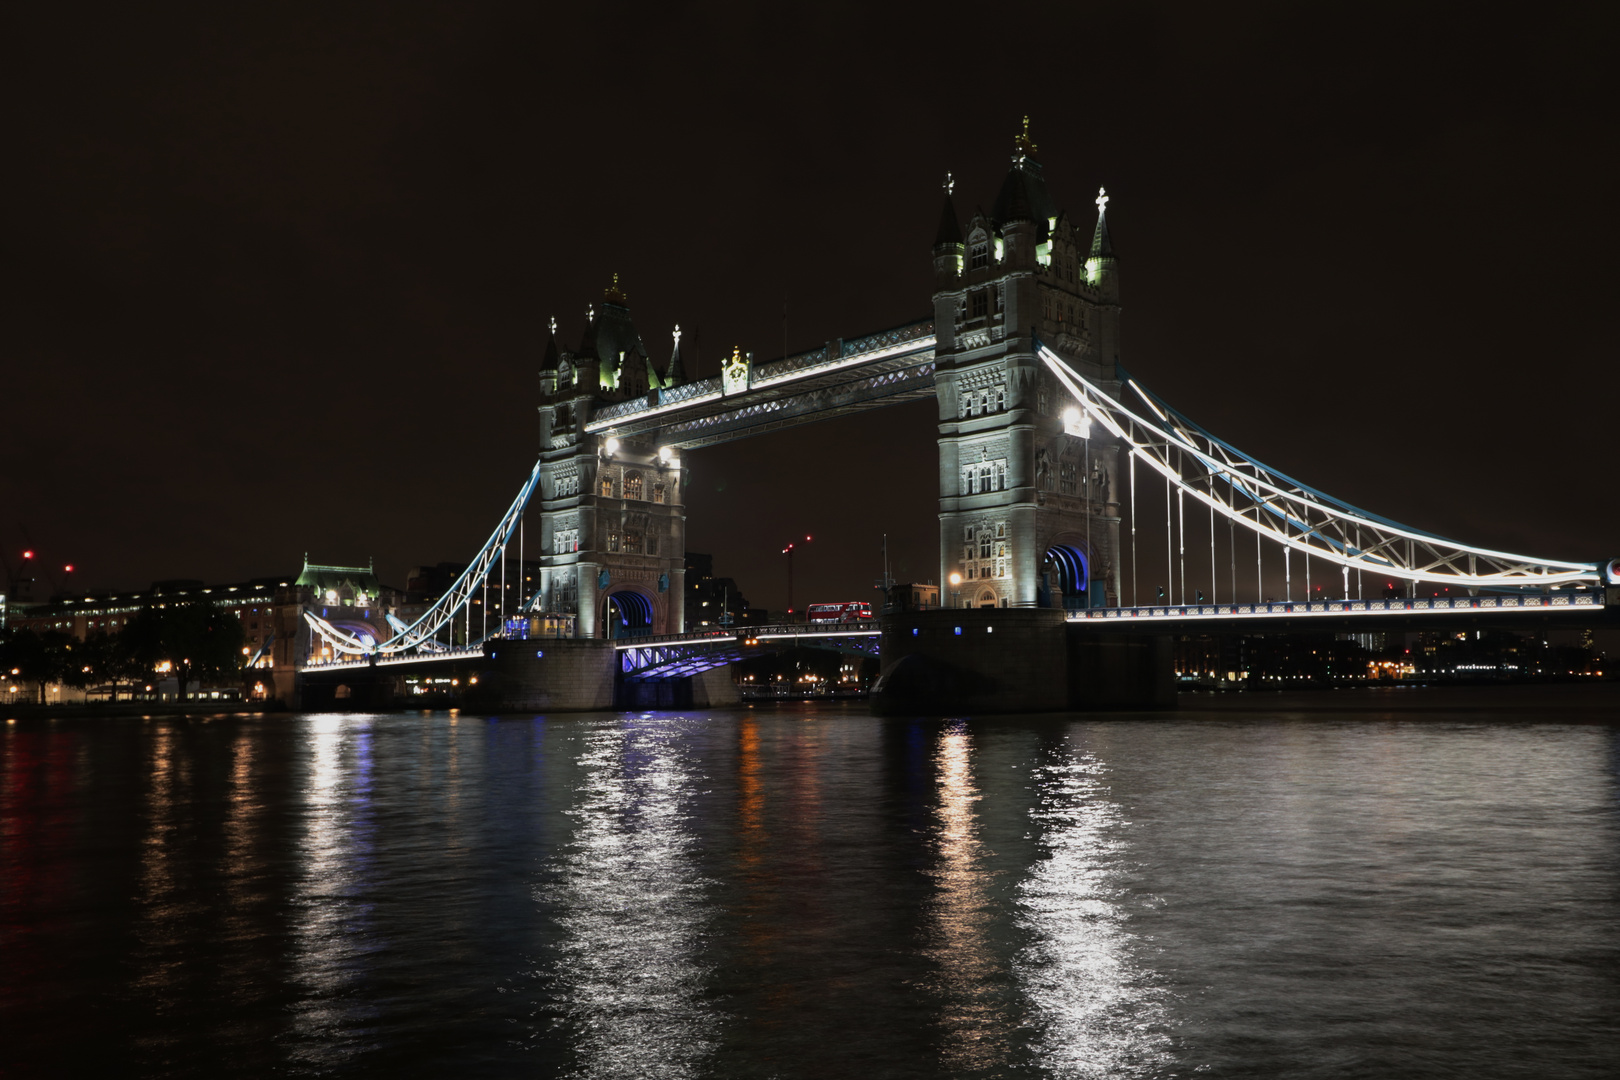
(956, 579)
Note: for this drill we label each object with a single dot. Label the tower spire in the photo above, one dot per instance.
(552, 361)
(950, 227)
(1101, 246)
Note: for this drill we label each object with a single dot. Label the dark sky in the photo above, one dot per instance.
(277, 276)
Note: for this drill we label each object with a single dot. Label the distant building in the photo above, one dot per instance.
(915, 596)
(714, 602)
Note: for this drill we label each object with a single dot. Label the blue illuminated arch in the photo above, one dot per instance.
(630, 614)
(1073, 573)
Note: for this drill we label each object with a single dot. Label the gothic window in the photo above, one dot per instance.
(1001, 528)
(632, 485)
(1069, 478)
(984, 543)
(565, 541)
(1001, 398)
(607, 487)
(632, 543)
(984, 478)
(1001, 299)
(984, 401)
(981, 256)
(652, 544)
(658, 493)
(980, 301)
(1001, 476)
(613, 541)
(967, 479)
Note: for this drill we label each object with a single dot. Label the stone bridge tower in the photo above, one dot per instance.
(612, 543)
(1029, 491)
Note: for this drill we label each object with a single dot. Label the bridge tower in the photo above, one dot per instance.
(1028, 487)
(612, 543)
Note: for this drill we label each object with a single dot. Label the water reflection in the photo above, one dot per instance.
(632, 907)
(975, 1018)
(332, 931)
(1096, 1008)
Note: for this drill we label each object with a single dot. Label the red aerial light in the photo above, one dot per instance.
(28, 554)
(68, 568)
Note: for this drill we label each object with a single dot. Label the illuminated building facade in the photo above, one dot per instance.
(612, 537)
(1028, 485)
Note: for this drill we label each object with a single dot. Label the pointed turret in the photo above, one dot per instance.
(1100, 261)
(552, 358)
(675, 373)
(948, 246)
(950, 227)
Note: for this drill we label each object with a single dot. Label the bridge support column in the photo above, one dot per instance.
(1018, 660)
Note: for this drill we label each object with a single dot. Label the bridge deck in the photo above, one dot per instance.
(1576, 607)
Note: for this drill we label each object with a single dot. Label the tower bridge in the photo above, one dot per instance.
(1050, 459)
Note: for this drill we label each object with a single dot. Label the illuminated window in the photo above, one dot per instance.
(658, 493)
(613, 541)
(632, 543)
(980, 256)
(607, 487)
(632, 485)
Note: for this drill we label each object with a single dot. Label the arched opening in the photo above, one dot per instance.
(1065, 578)
(987, 599)
(629, 614)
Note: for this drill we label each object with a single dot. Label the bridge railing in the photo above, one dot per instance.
(1562, 599)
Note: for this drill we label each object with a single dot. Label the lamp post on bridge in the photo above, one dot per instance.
(956, 579)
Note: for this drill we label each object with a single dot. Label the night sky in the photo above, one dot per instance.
(277, 278)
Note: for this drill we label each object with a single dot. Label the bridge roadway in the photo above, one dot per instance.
(677, 655)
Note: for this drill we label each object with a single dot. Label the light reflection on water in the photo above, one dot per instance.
(975, 1019)
(1095, 1006)
(809, 894)
(628, 971)
(332, 931)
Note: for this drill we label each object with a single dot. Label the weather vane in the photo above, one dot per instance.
(950, 184)
(554, 326)
(677, 335)
(1102, 200)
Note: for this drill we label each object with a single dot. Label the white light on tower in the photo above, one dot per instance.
(1076, 423)
(611, 446)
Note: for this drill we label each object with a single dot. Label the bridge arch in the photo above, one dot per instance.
(627, 612)
(1065, 577)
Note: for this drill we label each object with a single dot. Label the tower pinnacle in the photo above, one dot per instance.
(1023, 144)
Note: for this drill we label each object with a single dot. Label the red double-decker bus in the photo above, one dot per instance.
(853, 611)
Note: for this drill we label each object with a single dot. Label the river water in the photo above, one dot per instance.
(1262, 890)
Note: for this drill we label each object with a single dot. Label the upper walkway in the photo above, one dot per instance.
(842, 377)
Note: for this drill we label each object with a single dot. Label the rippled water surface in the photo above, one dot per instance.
(813, 894)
